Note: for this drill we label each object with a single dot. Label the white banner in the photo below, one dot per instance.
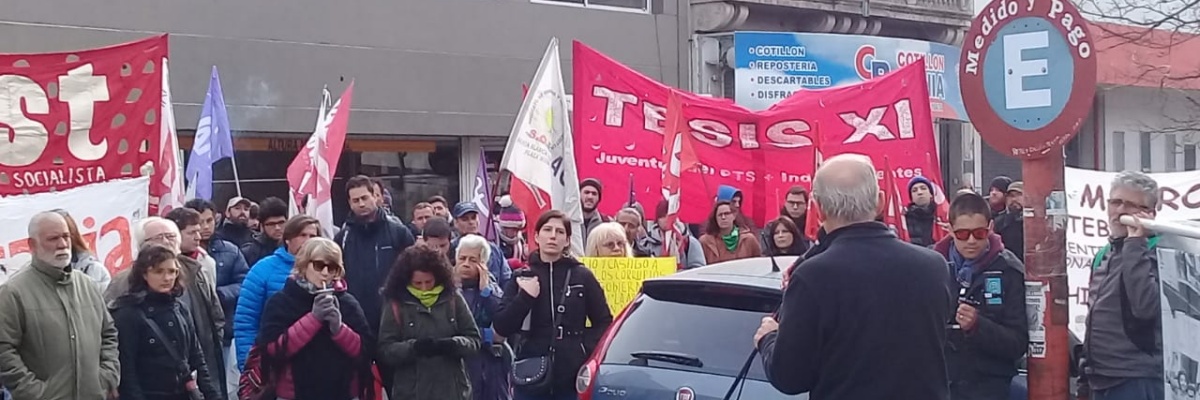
(1179, 275)
(1087, 204)
(105, 212)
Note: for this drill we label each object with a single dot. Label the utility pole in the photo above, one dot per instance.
(1028, 77)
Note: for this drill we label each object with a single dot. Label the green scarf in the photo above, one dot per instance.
(426, 297)
(731, 240)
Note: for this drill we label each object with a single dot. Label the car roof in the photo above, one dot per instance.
(757, 272)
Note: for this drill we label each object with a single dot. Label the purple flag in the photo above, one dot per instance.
(482, 197)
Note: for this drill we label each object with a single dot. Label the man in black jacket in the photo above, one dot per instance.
(842, 308)
(370, 242)
(1010, 223)
(235, 227)
(272, 214)
(990, 331)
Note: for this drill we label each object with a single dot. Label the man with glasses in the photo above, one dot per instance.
(201, 296)
(1122, 354)
(989, 332)
(272, 214)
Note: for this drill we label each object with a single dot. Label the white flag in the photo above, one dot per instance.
(170, 157)
(540, 149)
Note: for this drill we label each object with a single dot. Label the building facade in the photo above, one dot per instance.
(434, 80)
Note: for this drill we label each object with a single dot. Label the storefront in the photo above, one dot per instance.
(413, 169)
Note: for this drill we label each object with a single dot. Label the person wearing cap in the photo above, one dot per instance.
(590, 194)
(998, 193)
(371, 241)
(1010, 223)
(466, 222)
(235, 227)
(921, 215)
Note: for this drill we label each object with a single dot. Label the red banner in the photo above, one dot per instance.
(620, 117)
(74, 118)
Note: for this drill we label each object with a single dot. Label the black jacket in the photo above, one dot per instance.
(983, 361)
(368, 249)
(1010, 225)
(147, 369)
(235, 233)
(259, 248)
(863, 317)
(585, 301)
(919, 220)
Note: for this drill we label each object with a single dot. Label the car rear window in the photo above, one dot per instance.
(717, 328)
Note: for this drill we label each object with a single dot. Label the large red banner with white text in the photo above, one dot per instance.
(71, 119)
(620, 115)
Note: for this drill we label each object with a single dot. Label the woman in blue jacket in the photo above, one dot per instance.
(265, 279)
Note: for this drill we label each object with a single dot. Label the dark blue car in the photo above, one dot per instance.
(687, 335)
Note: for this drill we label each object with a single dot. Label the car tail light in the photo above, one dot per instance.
(591, 369)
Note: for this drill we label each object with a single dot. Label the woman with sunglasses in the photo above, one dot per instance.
(316, 339)
(989, 331)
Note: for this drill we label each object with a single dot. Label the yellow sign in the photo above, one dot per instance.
(622, 278)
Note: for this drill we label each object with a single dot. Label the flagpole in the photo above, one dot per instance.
(236, 182)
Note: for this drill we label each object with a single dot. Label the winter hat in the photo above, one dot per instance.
(593, 182)
(1001, 183)
(920, 179)
(510, 216)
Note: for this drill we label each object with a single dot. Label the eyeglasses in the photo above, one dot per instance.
(1117, 203)
(978, 233)
(274, 224)
(320, 265)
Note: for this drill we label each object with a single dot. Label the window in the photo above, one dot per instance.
(1145, 150)
(1189, 157)
(638, 5)
(1118, 151)
(1172, 149)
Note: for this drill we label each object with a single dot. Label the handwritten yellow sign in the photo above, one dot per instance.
(622, 278)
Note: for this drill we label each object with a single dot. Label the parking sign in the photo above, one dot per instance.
(1028, 75)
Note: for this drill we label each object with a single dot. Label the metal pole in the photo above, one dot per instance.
(1046, 265)
(236, 182)
(1173, 228)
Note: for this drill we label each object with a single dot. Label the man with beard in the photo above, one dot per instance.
(272, 214)
(795, 207)
(57, 340)
(1010, 224)
(590, 193)
(370, 243)
(441, 208)
(691, 255)
(235, 227)
(921, 216)
(997, 194)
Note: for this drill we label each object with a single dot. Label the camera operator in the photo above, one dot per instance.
(989, 332)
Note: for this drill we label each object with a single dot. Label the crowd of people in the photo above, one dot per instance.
(251, 302)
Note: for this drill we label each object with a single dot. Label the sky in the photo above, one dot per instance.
(1140, 10)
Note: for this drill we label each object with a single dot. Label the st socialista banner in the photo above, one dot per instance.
(105, 213)
(1088, 226)
(71, 119)
(619, 122)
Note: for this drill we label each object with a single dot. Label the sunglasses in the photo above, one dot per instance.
(321, 265)
(978, 233)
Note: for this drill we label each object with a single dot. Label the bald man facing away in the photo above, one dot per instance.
(864, 315)
(57, 340)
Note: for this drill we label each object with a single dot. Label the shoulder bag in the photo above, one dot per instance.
(535, 374)
(185, 370)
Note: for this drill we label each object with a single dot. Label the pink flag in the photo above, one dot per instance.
(310, 175)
